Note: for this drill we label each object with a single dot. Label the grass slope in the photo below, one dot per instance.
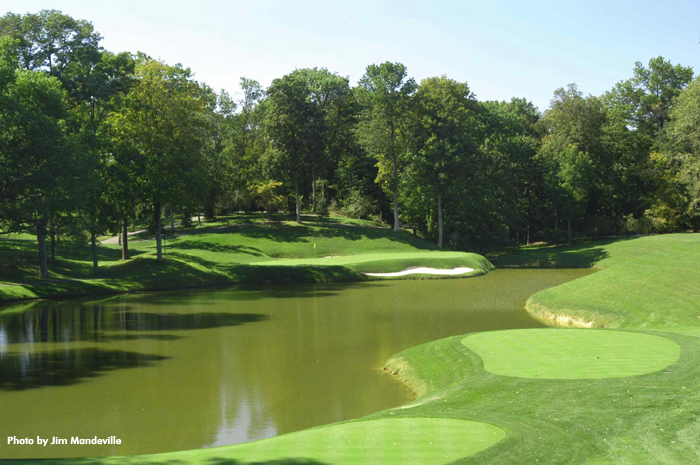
(647, 283)
(233, 250)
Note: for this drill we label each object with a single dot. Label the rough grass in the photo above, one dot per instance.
(243, 249)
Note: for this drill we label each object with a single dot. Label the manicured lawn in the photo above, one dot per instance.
(637, 404)
(428, 441)
(242, 249)
(648, 283)
(571, 353)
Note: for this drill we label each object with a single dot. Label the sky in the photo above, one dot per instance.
(502, 49)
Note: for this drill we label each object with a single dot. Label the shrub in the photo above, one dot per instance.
(359, 206)
(647, 224)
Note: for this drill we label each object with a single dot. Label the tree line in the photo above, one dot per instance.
(90, 139)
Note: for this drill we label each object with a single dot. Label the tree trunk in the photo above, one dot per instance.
(93, 245)
(52, 230)
(528, 233)
(125, 241)
(296, 193)
(396, 198)
(269, 220)
(568, 227)
(159, 244)
(440, 220)
(210, 206)
(396, 179)
(313, 188)
(199, 219)
(172, 220)
(41, 239)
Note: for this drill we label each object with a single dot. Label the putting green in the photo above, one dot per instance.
(571, 353)
(385, 441)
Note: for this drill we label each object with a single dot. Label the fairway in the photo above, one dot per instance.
(429, 441)
(399, 441)
(571, 353)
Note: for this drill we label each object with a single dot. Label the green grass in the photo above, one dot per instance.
(571, 353)
(242, 249)
(647, 283)
(648, 286)
(591, 253)
(429, 441)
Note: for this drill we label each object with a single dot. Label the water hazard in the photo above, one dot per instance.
(176, 371)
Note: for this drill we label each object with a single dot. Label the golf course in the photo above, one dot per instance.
(337, 233)
(237, 250)
(613, 380)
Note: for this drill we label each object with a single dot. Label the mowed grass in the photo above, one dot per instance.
(419, 441)
(646, 417)
(571, 353)
(647, 283)
(241, 249)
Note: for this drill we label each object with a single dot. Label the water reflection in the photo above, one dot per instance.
(70, 323)
(188, 370)
(26, 370)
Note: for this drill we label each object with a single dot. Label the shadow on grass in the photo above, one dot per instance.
(19, 261)
(307, 232)
(24, 370)
(194, 244)
(584, 253)
(174, 461)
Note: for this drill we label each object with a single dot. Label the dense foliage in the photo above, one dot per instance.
(90, 141)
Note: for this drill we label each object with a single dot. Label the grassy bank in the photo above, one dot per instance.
(574, 415)
(236, 250)
(648, 283)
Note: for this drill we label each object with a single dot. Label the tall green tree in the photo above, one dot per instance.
(331, 93)
(295, 125)
(163, 117)
(444, 139)
(684, 132)
(645, 100)
(570, 149)
(53, 42)
(37, 165)
(385, 92)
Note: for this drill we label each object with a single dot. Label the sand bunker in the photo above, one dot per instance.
(424, 270)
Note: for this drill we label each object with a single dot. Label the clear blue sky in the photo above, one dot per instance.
(503, 49)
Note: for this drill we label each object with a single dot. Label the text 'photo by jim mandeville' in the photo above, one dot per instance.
(56, 441)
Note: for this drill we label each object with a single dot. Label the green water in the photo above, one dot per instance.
(175, 371)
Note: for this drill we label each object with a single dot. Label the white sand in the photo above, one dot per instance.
(425, 270)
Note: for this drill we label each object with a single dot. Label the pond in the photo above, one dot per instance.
(184, 370)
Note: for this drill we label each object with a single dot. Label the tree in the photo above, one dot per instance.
(444, 139)
(37, 165)
(163, 117)
(684, 132)
(53, 42)
(645, 100)
(385, 93)
(512, 136)
(295, 126)
(331, 93)
(267, 197)
(570, 149)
